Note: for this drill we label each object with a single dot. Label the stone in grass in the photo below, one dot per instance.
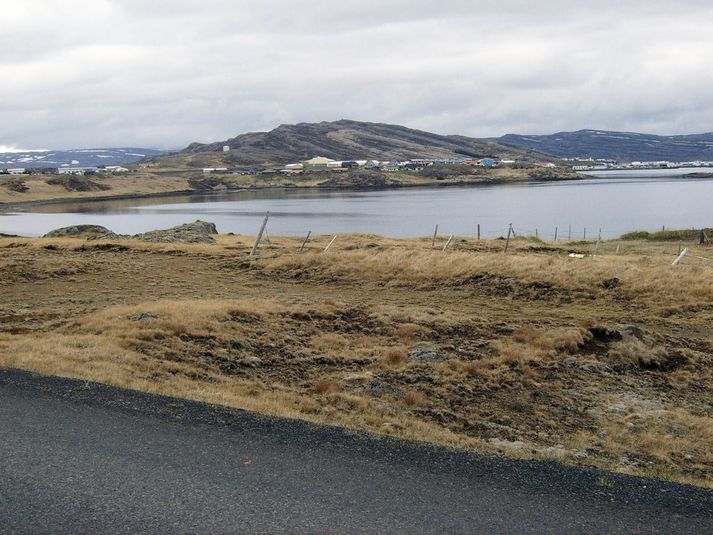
(356, 377)
(428, 352)
(379, 389)
(143, 316)
(630, 331)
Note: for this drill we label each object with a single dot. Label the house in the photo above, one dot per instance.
(116, 169)
(389, 167)
(17, 171)
(372, 164)
(76, 170)
(318, 162)
(215, 169)
(413, 166)
(293, 169)
(488, 162)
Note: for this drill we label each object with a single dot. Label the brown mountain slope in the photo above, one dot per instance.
(344, 139)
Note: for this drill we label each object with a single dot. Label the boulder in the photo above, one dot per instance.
(81, 231)
(196, 232)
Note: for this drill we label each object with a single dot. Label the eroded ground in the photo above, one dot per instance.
(600, 361)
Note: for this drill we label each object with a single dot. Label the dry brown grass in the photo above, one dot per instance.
(326, 386)
(326, 338)
(413, 398)
(395, 357)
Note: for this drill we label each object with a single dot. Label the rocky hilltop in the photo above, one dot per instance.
(344, 139)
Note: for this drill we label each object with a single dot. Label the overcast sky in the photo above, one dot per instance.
(92, 73)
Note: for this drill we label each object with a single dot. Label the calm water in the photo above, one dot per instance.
(616, 205)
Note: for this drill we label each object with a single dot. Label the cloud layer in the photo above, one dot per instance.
(79, 73)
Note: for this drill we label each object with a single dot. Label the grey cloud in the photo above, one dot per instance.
(129, 72)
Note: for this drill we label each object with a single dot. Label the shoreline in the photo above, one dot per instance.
(22, 206)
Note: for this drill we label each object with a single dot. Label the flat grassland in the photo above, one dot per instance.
(520, 353)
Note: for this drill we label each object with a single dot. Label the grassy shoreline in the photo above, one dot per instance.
(521, 353)
(156, 185)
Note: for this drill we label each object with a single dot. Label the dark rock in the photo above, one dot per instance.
(610, 284)
(603, 334)
(378, 389)
(77, 183)
(143, 316)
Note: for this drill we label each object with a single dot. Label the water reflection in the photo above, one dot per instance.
(615, 205)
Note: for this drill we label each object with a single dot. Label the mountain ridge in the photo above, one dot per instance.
(76, 157)
(615, 145)
(349, 139)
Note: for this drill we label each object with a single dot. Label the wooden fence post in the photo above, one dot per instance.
(329, 244)
(259, 234)
(555, 233)
(507, 242)
(435, 233)
(478, 231)
(680, 257)
(448, 242)
(302, 247)
(569, 234)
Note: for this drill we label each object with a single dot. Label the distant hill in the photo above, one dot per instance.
(622, 146)
(75, 157)
(343, 139)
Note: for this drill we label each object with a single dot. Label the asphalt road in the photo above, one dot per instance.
(79, 457)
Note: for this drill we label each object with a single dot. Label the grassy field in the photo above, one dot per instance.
(521, 353)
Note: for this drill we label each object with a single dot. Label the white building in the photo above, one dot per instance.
(17, 171)
(116, 169)
(76, 170)
(317, 161)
